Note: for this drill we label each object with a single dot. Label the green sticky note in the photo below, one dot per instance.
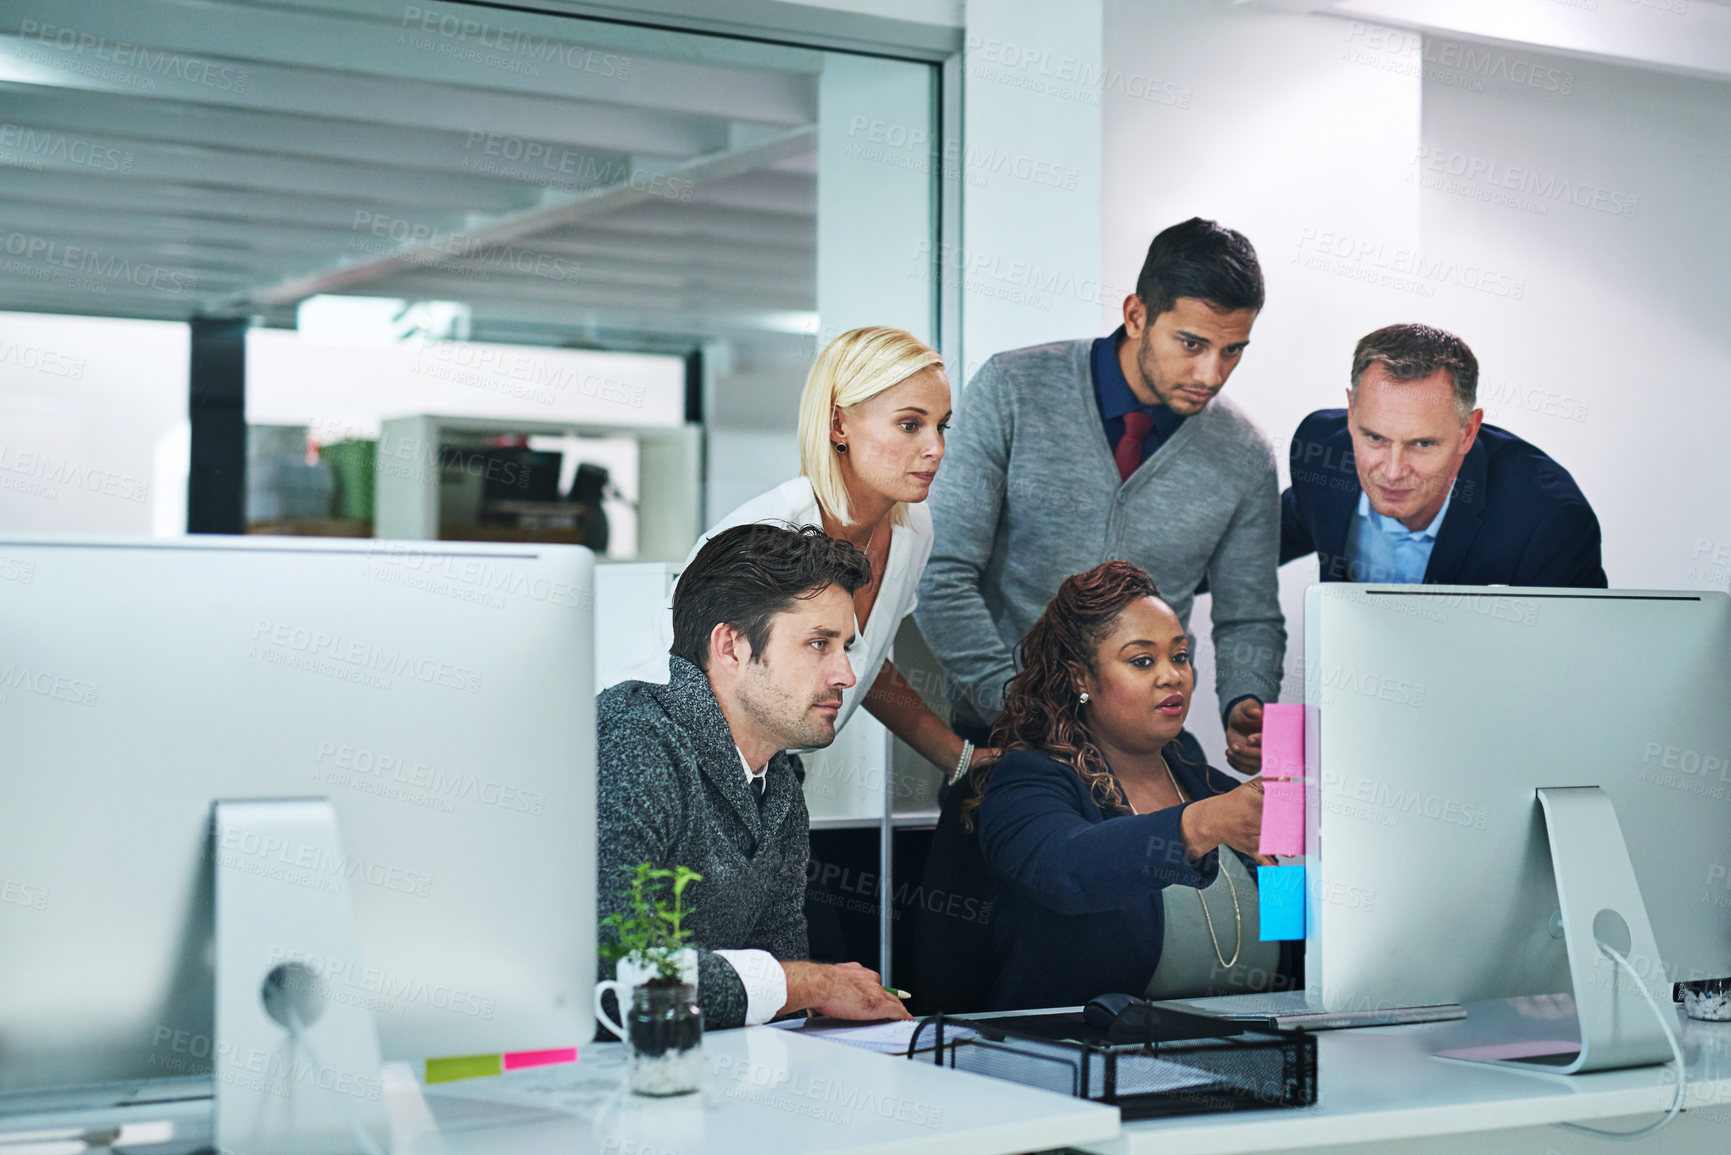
(462, 1067)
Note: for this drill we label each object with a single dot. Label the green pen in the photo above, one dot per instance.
(897, 994)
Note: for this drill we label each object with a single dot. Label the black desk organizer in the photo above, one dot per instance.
(1170, 1064)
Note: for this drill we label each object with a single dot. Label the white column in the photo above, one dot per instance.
(1029, 260)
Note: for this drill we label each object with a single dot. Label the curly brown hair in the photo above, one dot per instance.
(1040, 707)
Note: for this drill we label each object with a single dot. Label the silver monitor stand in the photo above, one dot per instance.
(1600, 902)
(295, 1072)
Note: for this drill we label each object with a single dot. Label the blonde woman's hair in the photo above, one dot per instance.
(852, 369)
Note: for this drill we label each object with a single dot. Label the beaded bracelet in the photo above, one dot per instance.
(962, 763)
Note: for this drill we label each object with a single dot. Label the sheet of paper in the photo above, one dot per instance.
(1522, 1050)
(1282, 818)
(886, 1038)
(1283, 740)
(1281, 897)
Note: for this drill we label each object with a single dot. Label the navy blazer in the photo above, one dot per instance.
(1516, 517)
(1078, 908)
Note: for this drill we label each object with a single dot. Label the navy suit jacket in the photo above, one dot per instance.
(1516, 517)
(1079, 907)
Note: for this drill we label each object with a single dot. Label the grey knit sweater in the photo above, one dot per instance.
(672, 791)
(1028, 495)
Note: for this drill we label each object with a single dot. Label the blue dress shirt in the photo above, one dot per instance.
(1381, 549)
(1112, 393)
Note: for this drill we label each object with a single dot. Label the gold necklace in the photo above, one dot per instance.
(1237, 917)
(876, 577)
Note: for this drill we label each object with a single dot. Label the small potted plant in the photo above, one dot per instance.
(655, 982)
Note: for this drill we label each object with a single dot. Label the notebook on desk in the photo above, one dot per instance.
(1290, 1011)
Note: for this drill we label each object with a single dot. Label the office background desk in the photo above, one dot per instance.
(1381, 1090)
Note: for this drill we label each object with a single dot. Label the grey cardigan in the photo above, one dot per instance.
(672, 791)
(1028, 495)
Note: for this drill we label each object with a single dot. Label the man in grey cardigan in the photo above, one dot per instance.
(1078, 452)
(697, 772)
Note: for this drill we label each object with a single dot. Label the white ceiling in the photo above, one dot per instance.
(1692, 37)
(171, 158)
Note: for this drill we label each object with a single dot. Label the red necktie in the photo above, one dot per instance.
(1128, 454)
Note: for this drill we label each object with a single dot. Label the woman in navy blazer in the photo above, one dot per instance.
(1103, 813)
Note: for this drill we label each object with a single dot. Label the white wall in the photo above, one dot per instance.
(1617, 360)
(1028, 261)
(1286, 138)
(93, 425)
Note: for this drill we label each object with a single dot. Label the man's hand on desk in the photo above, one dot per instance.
(840, 990)
(1244, 736)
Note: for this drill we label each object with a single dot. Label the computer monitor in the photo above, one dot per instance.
(1434, 717)
(440, 696)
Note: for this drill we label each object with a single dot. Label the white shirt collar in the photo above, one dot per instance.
(749, 772)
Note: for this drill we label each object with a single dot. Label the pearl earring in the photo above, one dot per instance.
(1083, 700)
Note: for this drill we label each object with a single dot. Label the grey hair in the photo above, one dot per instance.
(1413, 352)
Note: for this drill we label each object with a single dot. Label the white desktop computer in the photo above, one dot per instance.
(263, 792)
(1499, 780)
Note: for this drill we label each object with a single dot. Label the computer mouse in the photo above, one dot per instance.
(1103, 1010)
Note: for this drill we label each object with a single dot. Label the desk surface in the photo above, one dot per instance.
(1384, 1083)
(765, 1090)
(768, 1091)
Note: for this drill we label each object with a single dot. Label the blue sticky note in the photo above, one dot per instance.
(1281, 903)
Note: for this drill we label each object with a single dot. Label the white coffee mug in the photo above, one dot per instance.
(632, 973)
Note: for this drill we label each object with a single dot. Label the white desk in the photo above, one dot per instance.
(765, 1091)
(1381, 1087)
(768, 1091)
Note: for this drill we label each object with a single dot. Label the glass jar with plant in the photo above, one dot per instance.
(655, 982)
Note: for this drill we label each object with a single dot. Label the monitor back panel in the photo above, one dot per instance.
(440, 695)
(1436, 712)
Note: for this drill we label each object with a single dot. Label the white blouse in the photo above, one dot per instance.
(910, 547)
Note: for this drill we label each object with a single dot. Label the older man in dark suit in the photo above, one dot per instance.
(1408, 485)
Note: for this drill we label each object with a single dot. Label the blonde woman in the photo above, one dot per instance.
(871, 438)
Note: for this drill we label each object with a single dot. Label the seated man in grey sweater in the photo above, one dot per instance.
(697, 772)
(1078, 452)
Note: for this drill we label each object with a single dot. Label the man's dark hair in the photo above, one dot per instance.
(747, 574)
(1413, 352)
(1200, 259)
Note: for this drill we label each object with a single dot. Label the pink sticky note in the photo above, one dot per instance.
(1282, 818)
(517, 1060)
(1283, 740)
